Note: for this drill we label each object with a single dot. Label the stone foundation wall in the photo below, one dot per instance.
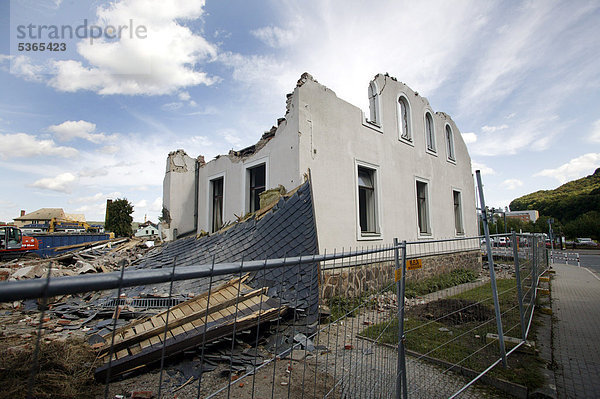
(352, 281)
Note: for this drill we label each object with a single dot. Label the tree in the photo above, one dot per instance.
(118, 217)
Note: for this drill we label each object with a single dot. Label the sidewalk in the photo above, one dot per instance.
(576, 331)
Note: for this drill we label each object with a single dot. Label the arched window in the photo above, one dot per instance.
(404, 118)
(374, 109)
(429, 132)
(450, 143)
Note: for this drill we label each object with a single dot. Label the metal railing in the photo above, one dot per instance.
(325, 325)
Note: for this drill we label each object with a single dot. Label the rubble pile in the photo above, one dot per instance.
(103, 258)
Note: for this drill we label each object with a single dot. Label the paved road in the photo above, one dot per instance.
(576, 305)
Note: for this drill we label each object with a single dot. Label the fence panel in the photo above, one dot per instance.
(311, 326)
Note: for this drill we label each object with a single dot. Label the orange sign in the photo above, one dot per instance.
(414, 264)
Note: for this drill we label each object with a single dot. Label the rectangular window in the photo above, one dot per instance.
(216, 187)
(458, 222)
(257, 179)
(367, 206)
(423, 208)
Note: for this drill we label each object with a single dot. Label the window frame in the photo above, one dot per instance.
(429, 232)
(449, 139)
(246, 179)
(409, 137)
(460, 215)
(374, 104)
(209, 196)
(212, 197)
(376, 201)
(433, 148)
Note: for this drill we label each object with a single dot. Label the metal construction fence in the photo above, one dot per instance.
(325, 325)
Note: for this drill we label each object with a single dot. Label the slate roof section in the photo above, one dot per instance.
(287, 230)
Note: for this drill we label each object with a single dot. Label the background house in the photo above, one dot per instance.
(147, 230)
(525, 216)
(403, 171)
(41, 216)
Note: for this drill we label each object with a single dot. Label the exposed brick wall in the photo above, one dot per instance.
(352, 281)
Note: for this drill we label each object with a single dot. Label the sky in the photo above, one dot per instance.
(521, 80)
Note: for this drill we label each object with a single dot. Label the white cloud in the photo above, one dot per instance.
(109, 149)
(70, 130)
(22, 66)
(339, 49)
(275, 36)
(534, 134)
(208, 110)
(141, 204)
(92, 172)
(25, 145)
(231, 137)
(62, 183)
(166, 60)
(184, 96)
(485, 170)
(469, 138)
(156, 205)
(172, 106)
(96, 197)
(512, 184)
(492, 129)
(594, 137)
(574, 169)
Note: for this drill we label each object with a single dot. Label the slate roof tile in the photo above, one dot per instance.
(287, 230)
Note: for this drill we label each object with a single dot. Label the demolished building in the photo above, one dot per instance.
(402, 172)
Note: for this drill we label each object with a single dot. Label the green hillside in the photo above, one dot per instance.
(576, 205)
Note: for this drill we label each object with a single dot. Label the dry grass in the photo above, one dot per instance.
(65, 369)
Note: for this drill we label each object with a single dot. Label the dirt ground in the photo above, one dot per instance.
(453, 311)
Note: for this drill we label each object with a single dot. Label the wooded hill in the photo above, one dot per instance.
(576, 205)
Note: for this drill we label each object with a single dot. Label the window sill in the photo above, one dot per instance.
(372, 125)
(452, 161)
(369, 236)
(406, 141)
(425, 236)
(431, 152)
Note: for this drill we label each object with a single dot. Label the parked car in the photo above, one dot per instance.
(503, 241)
(587, 242)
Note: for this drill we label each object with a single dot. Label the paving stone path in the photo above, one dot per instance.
(368, 370)
(576, 307)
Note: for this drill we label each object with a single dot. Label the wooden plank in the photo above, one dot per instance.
(216, 313)
(154, 353)
(121, 354)
(201, 297)
(178, 330)
(135, 349)
(187, 309)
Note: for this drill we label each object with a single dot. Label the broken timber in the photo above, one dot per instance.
(141, 342)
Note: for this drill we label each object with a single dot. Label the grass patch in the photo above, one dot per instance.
(437, 283)
(340, 306)
(65, 370)
(461, 337)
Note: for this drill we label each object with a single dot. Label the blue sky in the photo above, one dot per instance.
(520, 79)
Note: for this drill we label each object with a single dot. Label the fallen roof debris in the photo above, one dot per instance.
(203, 319)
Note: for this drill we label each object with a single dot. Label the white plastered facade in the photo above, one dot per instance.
(331, 138)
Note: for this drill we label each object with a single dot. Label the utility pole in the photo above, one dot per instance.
(550, 221)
